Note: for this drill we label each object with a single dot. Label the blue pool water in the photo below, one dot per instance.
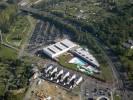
(81, 65)
(77, 61)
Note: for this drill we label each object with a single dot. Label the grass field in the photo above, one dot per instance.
(18, 31)
(116, 97)
(64, 59)
(7, 53)
(106, 73)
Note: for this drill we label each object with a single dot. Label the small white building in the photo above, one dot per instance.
(128, 44)
(59, 48)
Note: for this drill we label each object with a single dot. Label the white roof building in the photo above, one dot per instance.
(86, 55)
(128, 44)
(58, 48)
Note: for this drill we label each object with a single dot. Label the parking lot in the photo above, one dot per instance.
(45, 34)
(93, 90)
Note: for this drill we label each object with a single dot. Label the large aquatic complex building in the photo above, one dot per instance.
(59, 48)
(86, 56)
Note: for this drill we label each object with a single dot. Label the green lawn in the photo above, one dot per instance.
(106, 73)
(116, 97)
(7, 53)
(18, 31)
(64, 59)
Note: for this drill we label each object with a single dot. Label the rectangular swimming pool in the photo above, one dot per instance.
(77, 61)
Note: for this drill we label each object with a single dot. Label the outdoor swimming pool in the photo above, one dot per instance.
(82, 65)
(77, 61)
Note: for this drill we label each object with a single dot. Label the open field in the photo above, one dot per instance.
(106, 73)
(7, 53)
(18, 31)
(116, 97)
(64, 59)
